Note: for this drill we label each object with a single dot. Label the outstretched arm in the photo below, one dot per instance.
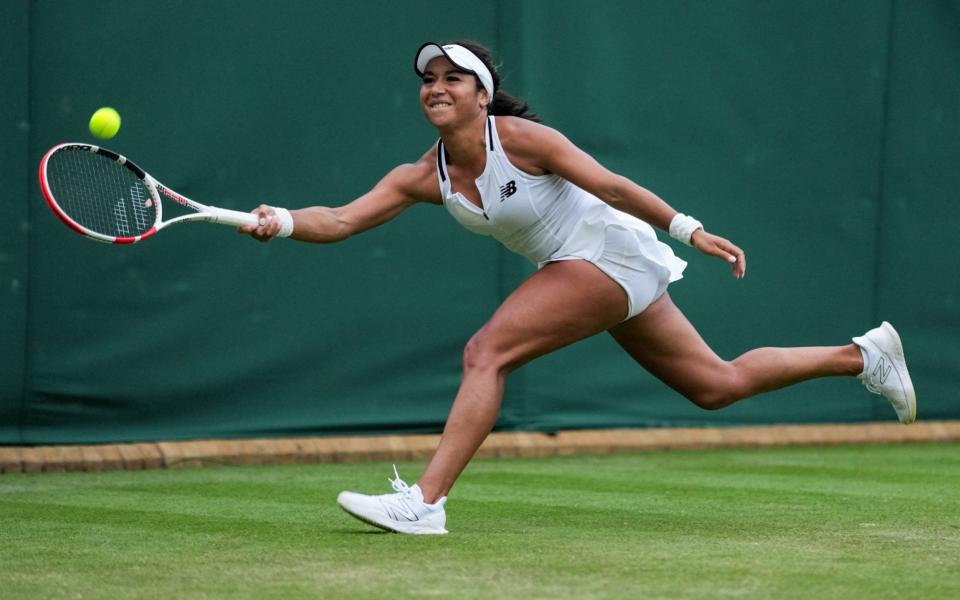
(547, 149)
(399, 189)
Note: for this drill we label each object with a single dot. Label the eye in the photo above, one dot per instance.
(428, 79)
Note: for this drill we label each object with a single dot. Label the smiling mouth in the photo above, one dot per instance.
(439, 106)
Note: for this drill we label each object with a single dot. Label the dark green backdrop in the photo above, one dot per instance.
(820, 136)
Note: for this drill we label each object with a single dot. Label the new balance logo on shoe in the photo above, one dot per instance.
(398, 513)
(882, 370)
(508, 189)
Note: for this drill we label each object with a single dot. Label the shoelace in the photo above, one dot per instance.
(868, 383)
(399, 485)
(401, 507)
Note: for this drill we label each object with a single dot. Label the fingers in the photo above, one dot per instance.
(724, 249)
(737, 259)
(739, 266)
(268, 226)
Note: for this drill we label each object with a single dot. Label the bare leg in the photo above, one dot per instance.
(664, 342)
(560, 304)
(568, 301)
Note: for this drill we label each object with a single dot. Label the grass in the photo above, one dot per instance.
(842, 522)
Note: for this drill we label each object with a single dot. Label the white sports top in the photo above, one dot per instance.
(542, 217)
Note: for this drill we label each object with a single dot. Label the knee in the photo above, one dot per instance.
(483, 354)
(723, 390)
(711, 400)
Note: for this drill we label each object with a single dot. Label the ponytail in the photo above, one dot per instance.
(504, 104)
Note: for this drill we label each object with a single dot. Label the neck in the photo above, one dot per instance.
(466, 144)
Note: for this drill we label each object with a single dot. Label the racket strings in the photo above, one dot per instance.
(99, 193)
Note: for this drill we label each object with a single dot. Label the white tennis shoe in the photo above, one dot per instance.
(402, 512)
(885, 370)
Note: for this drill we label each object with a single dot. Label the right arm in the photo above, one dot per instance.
(401, 188)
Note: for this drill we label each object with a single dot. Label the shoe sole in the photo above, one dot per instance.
(904, 374)
(387, 527)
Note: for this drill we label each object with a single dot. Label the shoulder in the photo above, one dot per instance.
(517, 130)
(417, 180)
(425, 167)
(528, 144)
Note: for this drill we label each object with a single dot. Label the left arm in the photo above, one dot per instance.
(543, 148)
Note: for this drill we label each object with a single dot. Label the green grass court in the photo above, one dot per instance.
(841, 522)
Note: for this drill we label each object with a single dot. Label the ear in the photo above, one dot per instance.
(484, 98)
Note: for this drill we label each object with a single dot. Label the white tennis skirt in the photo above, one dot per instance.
(628, 251)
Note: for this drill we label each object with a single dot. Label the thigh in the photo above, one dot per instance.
(562, 303)
(666, 344)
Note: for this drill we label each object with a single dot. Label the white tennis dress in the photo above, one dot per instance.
(546, 218)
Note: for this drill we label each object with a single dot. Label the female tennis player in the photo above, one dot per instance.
(501, 173)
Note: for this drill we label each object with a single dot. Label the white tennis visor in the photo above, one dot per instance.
(459, 57)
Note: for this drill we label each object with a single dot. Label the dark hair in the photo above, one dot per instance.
(502, 103)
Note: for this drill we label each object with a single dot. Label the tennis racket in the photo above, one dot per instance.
(104, 196)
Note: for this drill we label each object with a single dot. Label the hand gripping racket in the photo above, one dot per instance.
(104, 196)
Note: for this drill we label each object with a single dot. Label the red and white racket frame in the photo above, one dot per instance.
(210, 214)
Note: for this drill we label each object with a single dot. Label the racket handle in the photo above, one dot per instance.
(234, 218)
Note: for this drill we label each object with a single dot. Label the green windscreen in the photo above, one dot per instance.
(822, 137)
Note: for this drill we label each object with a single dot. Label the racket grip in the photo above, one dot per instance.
(234, 218)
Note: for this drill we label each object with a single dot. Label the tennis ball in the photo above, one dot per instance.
(105, 123)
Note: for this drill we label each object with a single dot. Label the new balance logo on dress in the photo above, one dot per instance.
(508, 189)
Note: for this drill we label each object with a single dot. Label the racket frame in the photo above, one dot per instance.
(210, 214)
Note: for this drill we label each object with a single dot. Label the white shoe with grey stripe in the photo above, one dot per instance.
(403, 511)
(885, 370)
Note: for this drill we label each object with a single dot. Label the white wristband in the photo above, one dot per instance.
(286, 221)
(682, 227)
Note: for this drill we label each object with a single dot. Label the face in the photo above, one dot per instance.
(449, 96)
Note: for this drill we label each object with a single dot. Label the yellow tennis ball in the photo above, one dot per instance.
(105, 123)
